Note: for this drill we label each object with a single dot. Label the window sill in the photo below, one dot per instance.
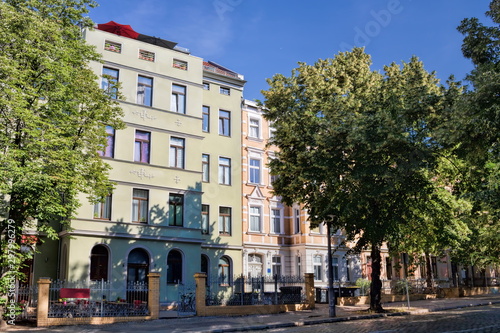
(257, 233)
(252, 138)
(255, 184)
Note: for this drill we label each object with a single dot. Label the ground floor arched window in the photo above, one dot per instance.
(174, 269)
(99, 257)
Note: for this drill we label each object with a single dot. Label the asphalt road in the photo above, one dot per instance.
(484, 319)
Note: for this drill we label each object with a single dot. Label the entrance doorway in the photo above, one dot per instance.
(137, 275)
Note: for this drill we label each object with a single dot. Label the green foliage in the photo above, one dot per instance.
(358, 145)
(474, 133)
(52, 117)
(363, 284)
(402, 287)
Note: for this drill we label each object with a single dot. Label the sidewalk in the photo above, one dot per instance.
(269, 321)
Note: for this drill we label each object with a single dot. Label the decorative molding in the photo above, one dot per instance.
(142, 173)
(143, 114)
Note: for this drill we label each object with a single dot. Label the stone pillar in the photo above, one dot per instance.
(310, 291)
(42, 312)
(154, 295)
(201, 293)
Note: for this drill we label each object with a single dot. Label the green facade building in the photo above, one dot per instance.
(176, 206)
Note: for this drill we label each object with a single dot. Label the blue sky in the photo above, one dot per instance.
(259, 38)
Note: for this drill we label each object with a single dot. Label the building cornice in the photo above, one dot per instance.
(121, 235)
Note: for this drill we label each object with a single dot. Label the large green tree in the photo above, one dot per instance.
(473, 130)
(440, 225)
(52, 123)
(357, 145)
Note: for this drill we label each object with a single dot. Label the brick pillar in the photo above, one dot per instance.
(201, 293)
(42, 312)
(154, 295)
(310, 291)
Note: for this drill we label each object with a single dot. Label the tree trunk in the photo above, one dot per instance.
(376, 286)
(428, 275)
(472, 276)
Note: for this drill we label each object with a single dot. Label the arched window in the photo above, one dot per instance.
(137, 266)
(99, 263)
(224, 271)
(205, 263)
(205, 267)
(174, 269)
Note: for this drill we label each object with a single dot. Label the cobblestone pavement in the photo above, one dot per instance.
(346, 316)
(484, 319)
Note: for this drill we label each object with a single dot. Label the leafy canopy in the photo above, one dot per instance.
(473, 131)
(52, 117)
(357, 147)
(356, 143)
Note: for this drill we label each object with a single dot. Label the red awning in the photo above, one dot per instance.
(118, 29)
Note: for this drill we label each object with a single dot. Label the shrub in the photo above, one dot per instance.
(364, 286)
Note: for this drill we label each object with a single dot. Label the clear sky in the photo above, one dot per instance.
(260, 38)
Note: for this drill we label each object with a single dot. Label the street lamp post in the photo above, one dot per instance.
(331, 294)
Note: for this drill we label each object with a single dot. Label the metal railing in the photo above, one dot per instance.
(104, 299)
(242, 290)
(27, 298)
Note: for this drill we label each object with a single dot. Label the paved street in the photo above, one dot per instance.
(484, 319)
(477, 314)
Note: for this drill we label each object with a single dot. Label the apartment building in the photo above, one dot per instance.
(278, 239)
(176, 205)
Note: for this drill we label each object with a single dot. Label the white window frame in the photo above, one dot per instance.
(272, 220)
(252, 214)
(224, 123)
(205, 168)
(178, 99)
(254, 128)
(296, 220)
(336, 268)
(278, 263)
(320, 265)
(224, 171)
(225, 91)
(254, 168)
(177, 152)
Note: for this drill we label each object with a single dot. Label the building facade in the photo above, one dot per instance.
(176, 205)
(278, 239)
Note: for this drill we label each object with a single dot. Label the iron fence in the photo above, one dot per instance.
(418, 286)
(27, 298)
(241, 290)
(69, 299)
(186, 304)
